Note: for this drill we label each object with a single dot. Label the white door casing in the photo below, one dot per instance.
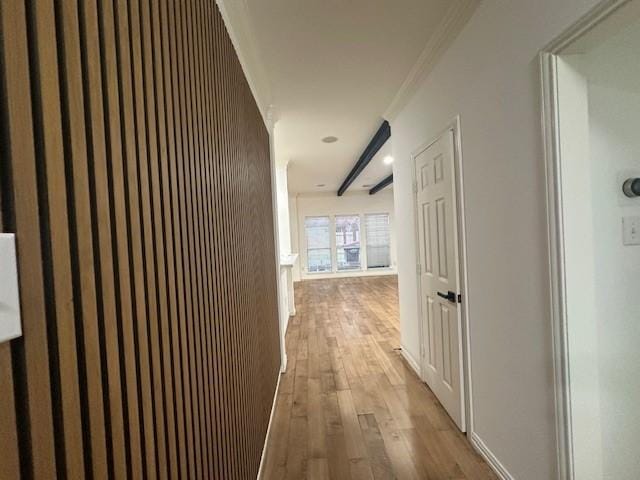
(437, 220)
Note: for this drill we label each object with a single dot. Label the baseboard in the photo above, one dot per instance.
(350, 274)
(266, 438)
(413, 363)
(488, 455)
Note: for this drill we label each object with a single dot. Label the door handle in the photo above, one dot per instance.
(451, 296)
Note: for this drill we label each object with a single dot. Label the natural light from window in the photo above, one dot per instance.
(318, 244)
(378, 240)
(348, 242)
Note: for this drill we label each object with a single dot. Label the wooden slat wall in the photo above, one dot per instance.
(135, 172)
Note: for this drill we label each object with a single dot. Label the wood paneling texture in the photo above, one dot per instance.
(135, 172)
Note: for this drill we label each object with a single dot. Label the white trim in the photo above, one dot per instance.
(411, 360)
(455, 19)
(463, 259)
(276, 236)
(583, 25)
(556, 268)
(490, 458)
(465, 354)
(381, 272)
(263, 457)
(555, 235)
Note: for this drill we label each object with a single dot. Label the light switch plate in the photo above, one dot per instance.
(10, 324)
(631, 230)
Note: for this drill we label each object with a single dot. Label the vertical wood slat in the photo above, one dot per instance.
(116, 149)
(204, 64)
(156, 246)
(10, 466)
(183, 88)
(76, 154)
(144, 144)
(198, 160)
(143, 388)
(31, 352)
(193, 231)
(101, 207)
(174, 104)
(162, 198)
(53, 197)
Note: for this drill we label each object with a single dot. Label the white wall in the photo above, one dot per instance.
(490, 77)
(284, 230)
(295, 242)
(613, 73)
(310, 205)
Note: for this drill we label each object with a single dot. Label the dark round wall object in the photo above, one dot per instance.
(631, 187)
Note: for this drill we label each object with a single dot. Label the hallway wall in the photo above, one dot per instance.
(490, 77)
(135, 172)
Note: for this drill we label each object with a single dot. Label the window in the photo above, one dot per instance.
(378, 240)
(318, 234)
(348, 242)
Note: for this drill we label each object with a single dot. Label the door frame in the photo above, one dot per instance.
(555, 232)
(461, 234)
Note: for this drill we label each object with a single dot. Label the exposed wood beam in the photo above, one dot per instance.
(384, 183)
(376, 143)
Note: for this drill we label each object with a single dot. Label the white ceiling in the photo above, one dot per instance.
(333, 68)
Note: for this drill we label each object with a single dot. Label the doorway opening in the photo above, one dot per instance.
(592, 119)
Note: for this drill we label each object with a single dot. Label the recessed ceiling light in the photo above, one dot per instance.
(330, 139)
(320, 185)
(388, 160)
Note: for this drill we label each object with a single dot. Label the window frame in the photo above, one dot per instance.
(330, 247)
(334, 248)
(361, 265)
(366, 233)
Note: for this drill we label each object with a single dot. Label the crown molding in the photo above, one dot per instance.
(456, 18)
(237, 19)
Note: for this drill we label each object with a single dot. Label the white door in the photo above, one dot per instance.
(439, 272)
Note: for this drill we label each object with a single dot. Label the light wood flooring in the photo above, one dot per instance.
(349, 407)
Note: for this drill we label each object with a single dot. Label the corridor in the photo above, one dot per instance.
(349, 407)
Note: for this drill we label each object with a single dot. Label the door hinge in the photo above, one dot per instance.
(418, 269)
(459, 298)
(415, 186)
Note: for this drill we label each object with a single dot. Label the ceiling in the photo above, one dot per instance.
(333, 68)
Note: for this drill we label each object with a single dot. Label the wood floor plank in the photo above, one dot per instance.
(376, 452)
(354, 442)
(340, 465)
(349, 406)
(318, 469)
(315, 417)
(360, 469)
(296, 466)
